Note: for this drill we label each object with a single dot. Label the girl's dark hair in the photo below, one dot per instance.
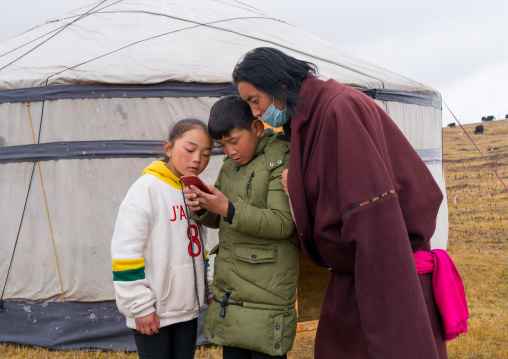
(180, 128)
(275, 73)
(228, 113)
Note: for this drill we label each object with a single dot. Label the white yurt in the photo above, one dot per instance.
(86, 101)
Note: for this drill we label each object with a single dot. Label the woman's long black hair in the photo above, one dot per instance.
(275, 73)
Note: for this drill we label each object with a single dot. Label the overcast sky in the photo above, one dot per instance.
(457, 47)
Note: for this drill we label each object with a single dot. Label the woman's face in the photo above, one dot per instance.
(257, 100)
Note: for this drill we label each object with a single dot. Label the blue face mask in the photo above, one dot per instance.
(275, 117)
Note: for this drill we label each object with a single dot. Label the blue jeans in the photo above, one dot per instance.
(176, 341)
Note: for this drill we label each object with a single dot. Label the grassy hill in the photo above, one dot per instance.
(478, 243)
(478, 237)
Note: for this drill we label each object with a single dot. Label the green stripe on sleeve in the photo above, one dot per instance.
(129, 275)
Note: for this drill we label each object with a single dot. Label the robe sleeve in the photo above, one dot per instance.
(382, 200)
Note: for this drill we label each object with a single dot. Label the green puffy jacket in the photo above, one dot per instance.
(256, 267)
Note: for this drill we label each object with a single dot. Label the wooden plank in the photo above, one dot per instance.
(306, 328)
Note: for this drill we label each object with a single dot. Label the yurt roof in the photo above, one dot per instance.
(154, 41)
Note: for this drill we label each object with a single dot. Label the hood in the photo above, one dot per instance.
(159, 170)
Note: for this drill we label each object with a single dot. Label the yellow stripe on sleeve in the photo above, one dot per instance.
(127, 264)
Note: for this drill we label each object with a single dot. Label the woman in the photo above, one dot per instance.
(363, 203)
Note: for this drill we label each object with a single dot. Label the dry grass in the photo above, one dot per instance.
(478, 243)
(478, 239)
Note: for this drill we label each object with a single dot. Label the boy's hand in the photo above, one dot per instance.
(148, 324)
(215, 202)
(284, 180)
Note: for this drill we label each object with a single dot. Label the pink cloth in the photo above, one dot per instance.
(448, 290)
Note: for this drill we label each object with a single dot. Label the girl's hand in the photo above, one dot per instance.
(215, 202)
(284, 181)
(148, 325)
(190, 196)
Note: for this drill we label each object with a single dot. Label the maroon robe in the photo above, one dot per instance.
(363, 202)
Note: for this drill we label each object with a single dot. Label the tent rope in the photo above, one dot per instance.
(76, 17)
(49, 38)
(486, 160)
(210, 25)
(16, 242)
(46, 204)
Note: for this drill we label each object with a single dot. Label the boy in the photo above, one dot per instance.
(253, 313)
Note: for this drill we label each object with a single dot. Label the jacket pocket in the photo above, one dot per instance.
(255, 254)
(181, 293)
(255, 275)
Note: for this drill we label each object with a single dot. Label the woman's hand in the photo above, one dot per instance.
(215, 202)
(284, 180)
(148, 324)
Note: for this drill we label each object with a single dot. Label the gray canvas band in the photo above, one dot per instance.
(177, 89)
(95, 91)
(70, 325)
(431, 156)
(85, 150)
(117, 149)
(414, 98)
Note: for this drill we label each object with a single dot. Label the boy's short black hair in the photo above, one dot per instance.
(227, 114)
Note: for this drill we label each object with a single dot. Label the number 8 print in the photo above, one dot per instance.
(194, 239)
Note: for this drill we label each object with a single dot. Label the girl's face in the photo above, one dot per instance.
(257, 100)
(190, 153)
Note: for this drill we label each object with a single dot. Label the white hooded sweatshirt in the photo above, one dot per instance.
(151, 253)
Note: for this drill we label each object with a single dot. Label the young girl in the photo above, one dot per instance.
(160, 263)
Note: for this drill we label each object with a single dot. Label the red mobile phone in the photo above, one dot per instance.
(195, 181)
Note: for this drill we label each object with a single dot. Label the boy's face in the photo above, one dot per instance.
(241, 144)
